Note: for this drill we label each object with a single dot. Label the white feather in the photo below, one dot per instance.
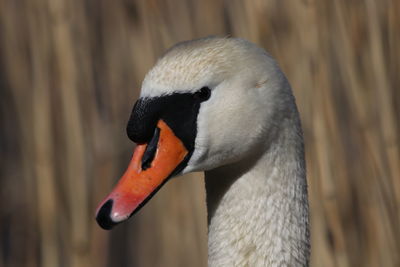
(250, 144)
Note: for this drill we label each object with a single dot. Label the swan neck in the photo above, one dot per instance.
(258, 208)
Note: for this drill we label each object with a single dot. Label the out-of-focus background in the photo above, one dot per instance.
(70, 71)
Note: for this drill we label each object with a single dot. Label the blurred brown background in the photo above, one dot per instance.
(70, 71)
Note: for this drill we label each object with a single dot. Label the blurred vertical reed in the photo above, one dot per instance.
(71, 70)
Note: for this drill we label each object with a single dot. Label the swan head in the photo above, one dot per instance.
(206, 103)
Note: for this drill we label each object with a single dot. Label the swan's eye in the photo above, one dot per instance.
(203, 94)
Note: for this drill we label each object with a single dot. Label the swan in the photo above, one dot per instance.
(222, 106)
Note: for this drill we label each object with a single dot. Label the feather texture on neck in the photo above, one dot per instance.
(258, 208)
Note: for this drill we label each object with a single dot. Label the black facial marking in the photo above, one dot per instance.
(178, 111)
(203, 94)
(151, 149)
(143, 120)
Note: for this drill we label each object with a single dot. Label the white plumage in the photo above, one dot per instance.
(249, 143)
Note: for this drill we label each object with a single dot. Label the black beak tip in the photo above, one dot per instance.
(103, 216)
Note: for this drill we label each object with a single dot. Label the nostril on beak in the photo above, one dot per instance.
(103, 217)
(151, 149)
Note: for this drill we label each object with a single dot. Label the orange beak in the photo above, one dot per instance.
(138, 184)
